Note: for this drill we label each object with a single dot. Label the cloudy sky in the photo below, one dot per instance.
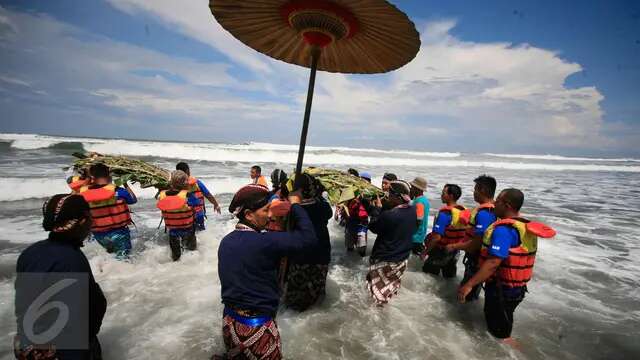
(543, 77)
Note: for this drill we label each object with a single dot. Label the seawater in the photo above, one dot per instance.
(584, 301)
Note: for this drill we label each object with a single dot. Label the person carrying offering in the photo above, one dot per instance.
(248, 265)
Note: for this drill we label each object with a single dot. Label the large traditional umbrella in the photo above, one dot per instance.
(345, 36)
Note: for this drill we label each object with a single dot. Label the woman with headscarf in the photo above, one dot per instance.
(248, 262)
(307, 274)
(59, 259)
(395, 228)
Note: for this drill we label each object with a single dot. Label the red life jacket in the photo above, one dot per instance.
(107, 211)
(176, 212)
(517, 269)
(195, 189)
(356, 211)
(471, 218)
(76, 183)
(455, 232)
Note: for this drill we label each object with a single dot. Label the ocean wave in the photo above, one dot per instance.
(287, 154)
(41, 188)
(142, 148)
(560, 158)
(33, 141)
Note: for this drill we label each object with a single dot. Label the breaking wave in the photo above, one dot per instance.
(287, 154)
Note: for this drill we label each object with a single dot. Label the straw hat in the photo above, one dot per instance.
(419, 183)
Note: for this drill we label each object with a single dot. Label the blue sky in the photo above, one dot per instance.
(501, 76)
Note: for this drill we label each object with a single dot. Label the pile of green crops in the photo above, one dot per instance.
(126, 169)
(342, 186)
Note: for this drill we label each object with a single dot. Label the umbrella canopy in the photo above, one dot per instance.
(346, 36)
(356, 36)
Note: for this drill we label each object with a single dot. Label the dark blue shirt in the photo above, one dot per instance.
(319, 212)
(248, 263)
(50, 256)
(395, 229)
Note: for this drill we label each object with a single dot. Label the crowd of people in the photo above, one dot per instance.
(279, 253)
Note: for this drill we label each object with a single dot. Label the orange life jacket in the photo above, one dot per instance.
(195, 189)
(176, 212)
(76, 183)
(107, 211)
(455, 232)
(260, 180)
(278, 211)
(517, 269)
(471, 218)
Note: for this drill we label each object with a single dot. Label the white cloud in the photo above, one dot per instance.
(193, 18)
(489, 95)
(11, 80)
(481, 89)
(76, 73)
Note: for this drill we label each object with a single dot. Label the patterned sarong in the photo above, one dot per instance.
(383, 280)
(251, 342)
(305, 285)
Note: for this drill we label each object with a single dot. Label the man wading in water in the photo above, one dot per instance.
(248, 265)
(395, 229)
(177, 206)
(506, 263)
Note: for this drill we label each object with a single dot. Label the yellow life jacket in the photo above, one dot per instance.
(517, 268)
(471, 218)
(455, 232)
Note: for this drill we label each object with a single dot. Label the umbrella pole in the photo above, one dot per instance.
(315, 55)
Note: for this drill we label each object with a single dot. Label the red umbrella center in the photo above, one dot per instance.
(320, 22)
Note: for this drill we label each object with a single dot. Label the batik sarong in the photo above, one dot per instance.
(244, 341)
(383, 280)
(305, 284)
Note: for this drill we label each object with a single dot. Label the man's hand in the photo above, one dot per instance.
(216, 208)
(378, 202)
(463, 291)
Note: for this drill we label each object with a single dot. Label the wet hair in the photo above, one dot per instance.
(389, 176)
(453, 190)
(487, 185)
(257, 168)
(278, 178)
(310, 186)
(514, 197)
(61, 216)
(353, 172)
(99, 170)
(183, 166)
(178, 180)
